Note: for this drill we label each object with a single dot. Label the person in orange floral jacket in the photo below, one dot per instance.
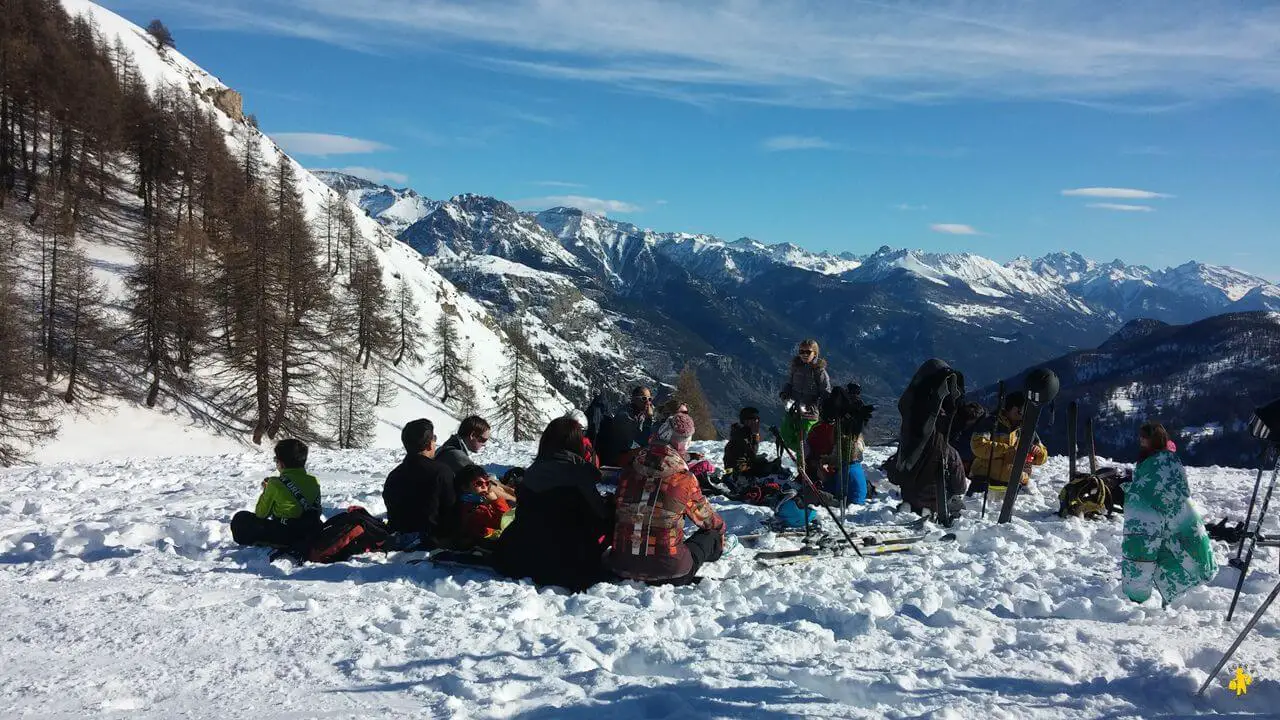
(655, 494)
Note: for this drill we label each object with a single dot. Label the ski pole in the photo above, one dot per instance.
(813, 488)
(991, 455)
(944, 511)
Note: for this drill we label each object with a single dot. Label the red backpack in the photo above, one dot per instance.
(348, 534)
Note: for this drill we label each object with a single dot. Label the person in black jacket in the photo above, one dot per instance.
(419, 492)
(563, 523)
(742, 452)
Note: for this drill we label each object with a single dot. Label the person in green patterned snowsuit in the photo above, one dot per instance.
(1165, 544)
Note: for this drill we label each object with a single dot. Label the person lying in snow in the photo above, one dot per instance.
(655, 495)
(995, 444)
(288, 510)
(808, 384)
(1166, 546)
(484, 510)
(561, 527)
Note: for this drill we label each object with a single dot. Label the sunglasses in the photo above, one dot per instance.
(806, 353)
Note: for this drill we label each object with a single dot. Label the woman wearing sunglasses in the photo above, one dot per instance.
(807, 386)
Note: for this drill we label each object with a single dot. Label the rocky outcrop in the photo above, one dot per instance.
(228, 101)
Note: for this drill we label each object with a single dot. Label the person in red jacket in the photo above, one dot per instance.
(482, 507)
(588, 450)
(655, 495)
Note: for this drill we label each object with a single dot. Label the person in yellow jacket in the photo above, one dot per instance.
(288, 510)
(995, 446)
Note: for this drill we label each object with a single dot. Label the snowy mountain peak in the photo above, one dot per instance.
(1210, 280)
(396, 209)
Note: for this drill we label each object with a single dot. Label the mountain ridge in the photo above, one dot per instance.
(1212, 287)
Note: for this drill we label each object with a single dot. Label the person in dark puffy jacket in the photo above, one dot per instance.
(562, 524)
(419, 493)
(742, 452)
(807, 386)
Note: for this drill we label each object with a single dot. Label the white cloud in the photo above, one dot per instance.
(382, 177)
(1121, 207)
(659, 202)
(954, 229)
(812, 53)
(796, 142)
(322, 144)
(599, 206)
(1110, 192)
(558, 184)
(908, 207)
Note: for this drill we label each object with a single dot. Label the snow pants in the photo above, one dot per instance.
(249, 529)
(704, 546)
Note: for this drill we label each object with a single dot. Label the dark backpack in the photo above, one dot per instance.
(348, 534)
(1091, 495)
(597, 411)
(613, 439)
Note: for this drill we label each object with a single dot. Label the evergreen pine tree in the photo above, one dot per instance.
(689, 391)
(519, 390)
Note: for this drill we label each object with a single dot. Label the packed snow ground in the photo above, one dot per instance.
(123, 596)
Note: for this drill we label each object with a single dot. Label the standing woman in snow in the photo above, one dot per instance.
(1165, 544)
(807, 386)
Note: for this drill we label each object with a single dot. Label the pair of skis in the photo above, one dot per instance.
(1073, 417)
(870, 545)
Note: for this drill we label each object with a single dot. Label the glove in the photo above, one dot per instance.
(1031, 458)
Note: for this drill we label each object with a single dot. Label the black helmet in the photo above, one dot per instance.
(1042, 385)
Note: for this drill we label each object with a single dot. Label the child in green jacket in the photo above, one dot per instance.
(288, 510)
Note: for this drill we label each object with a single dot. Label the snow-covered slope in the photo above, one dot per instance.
(477, 329)
(125, 597)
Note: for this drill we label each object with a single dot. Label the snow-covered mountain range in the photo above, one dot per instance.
(736, 308)
(478, 330)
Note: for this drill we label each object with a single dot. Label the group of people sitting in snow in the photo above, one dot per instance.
(553, 525)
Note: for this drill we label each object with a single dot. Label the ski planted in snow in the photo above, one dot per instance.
(986, 491)
(1041, 388)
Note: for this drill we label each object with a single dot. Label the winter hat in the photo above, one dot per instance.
(748, 413)
(676, 431)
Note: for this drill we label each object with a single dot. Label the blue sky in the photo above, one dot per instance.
(1146, 133)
